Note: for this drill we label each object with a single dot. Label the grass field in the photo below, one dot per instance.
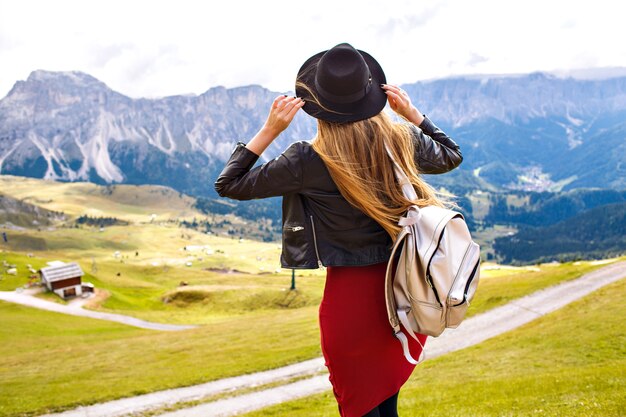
(128, 202)
(148, 286)
(249, 320)
(137, 204)
(226, 276)
(51, 361)
(568, 363)
(115, 361)
(500, 284)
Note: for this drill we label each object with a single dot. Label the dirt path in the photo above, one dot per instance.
(471, 332)
(77, 310)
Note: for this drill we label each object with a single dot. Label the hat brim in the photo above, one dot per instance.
(369, 106)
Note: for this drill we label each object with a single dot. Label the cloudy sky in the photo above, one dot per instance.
(155, 48)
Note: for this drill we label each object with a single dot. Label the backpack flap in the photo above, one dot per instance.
(467, 274)
(453, 269)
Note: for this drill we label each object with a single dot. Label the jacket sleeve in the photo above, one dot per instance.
(280, 176)
(435, 152)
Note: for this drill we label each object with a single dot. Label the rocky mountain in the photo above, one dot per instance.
(529, 132)
(534, 132)
(70, 126)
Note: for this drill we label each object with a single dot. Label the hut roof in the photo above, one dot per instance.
(61, 272)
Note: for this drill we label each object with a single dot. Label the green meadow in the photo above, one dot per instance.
(166, 274)
(129, 202)
(48, 359)
(233, 289)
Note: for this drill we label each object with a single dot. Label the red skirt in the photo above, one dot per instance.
(363, 357)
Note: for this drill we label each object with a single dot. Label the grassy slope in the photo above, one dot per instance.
(131, 203)
(498, 287)
(128, 202)
(51, 361)
(137, 284)
(569, 363)
(140, 288)
(11, 282)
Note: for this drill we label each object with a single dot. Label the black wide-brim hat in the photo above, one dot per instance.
(341, 85)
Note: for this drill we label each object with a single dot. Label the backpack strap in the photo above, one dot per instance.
(405, 342)
(405, 322)
(396, 315)
(389, 297)
(403, 180)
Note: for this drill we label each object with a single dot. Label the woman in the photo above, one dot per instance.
(341, 204)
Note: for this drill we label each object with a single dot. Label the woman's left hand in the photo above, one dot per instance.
(400, 102)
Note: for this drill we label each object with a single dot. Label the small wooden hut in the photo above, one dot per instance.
(63, 279)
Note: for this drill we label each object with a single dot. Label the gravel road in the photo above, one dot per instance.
(76, 310)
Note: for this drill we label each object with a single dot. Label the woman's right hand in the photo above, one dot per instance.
(400, 102)
(282, 112)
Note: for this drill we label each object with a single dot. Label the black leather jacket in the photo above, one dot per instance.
(320, 228)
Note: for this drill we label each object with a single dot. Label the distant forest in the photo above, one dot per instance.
(100, 221)
(546, 208)
(596, 233)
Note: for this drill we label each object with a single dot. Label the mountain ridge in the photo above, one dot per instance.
(72, 126)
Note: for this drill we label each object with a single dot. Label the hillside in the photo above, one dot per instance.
(596, 233)
(18, 213)
(491, 215)
(535, 208)
(129, 202)
(135, 204)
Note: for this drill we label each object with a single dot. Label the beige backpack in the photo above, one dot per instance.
(436, 273)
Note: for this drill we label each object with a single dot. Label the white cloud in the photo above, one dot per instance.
(155, 48)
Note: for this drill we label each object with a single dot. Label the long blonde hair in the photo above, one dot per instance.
(355, 156)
